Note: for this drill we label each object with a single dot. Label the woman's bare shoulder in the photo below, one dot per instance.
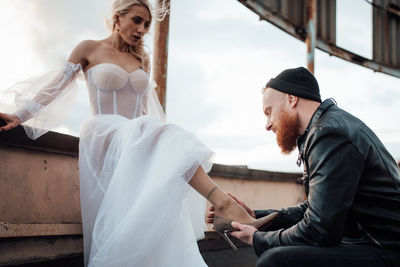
(81, 52)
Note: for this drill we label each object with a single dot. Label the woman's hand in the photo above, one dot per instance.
(11, 120)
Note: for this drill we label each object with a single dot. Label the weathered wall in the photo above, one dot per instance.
(39, 199)
(259, 194)
(38, 187)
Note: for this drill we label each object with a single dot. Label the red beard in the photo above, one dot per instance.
(287, 132)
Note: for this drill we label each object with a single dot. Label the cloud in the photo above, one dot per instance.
(59, 25)
(220, 55)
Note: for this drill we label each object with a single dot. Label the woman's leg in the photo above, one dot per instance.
(224, 206)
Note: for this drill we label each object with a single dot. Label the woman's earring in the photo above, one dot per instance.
(115, 24)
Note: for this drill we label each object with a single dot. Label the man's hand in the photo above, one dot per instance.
(210, 215)
(241, 203)
(245, 232)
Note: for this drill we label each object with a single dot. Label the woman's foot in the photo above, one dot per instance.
(226, 209)
(229, 209)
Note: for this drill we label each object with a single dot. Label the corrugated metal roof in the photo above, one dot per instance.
(386, 32)
(291, 17)
(295, 12)
(326, 20)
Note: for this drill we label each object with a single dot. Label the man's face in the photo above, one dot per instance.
(282, 119)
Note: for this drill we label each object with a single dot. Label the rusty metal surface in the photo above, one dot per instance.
(326, 18)
(359, 60)
(386, 32)
(39, 229)
(311, 34)
(265, 12)
(295, 13)
(160, 58)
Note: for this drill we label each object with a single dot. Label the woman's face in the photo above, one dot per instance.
(134, 24)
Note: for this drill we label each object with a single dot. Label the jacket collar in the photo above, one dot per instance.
(324, 106)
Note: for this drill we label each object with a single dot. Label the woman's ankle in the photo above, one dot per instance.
(222, 204)
(228, 208)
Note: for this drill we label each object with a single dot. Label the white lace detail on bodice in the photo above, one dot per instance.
(113, 90)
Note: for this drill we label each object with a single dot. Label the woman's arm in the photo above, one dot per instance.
(35, 97)
(78, 56)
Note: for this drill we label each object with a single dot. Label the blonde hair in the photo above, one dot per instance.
(122, 7)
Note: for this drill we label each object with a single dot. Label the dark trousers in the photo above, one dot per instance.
(340, 256)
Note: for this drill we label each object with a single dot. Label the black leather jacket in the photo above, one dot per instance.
(352, 185)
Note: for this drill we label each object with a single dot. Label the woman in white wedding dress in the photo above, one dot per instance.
(137, 173)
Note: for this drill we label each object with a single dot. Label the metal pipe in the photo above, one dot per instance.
(311, 34)
(160, 57)
(394, 9)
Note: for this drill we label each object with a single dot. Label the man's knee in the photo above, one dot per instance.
(273, 257)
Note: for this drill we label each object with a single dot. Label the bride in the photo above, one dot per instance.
(143, 182)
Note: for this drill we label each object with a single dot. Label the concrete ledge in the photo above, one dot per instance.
(69, 145)
(242, 172)
(49, 142)
(39, 229)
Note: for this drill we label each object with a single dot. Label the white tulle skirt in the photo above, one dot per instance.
(137, 206)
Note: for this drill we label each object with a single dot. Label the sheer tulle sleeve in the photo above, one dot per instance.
(152, 104)
(43, 102)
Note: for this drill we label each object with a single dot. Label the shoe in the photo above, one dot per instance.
(223, 226)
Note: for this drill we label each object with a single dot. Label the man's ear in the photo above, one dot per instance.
(292, 100)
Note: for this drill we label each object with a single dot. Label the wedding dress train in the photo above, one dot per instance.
(137, 206)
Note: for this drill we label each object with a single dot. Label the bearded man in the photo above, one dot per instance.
(352, 213)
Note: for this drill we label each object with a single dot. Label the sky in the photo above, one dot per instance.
(220, 57)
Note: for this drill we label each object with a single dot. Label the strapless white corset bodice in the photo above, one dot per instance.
(113, 90)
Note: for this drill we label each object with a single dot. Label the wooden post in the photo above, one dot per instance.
(160, 57)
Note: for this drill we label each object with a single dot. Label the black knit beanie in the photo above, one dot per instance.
(299, 82)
